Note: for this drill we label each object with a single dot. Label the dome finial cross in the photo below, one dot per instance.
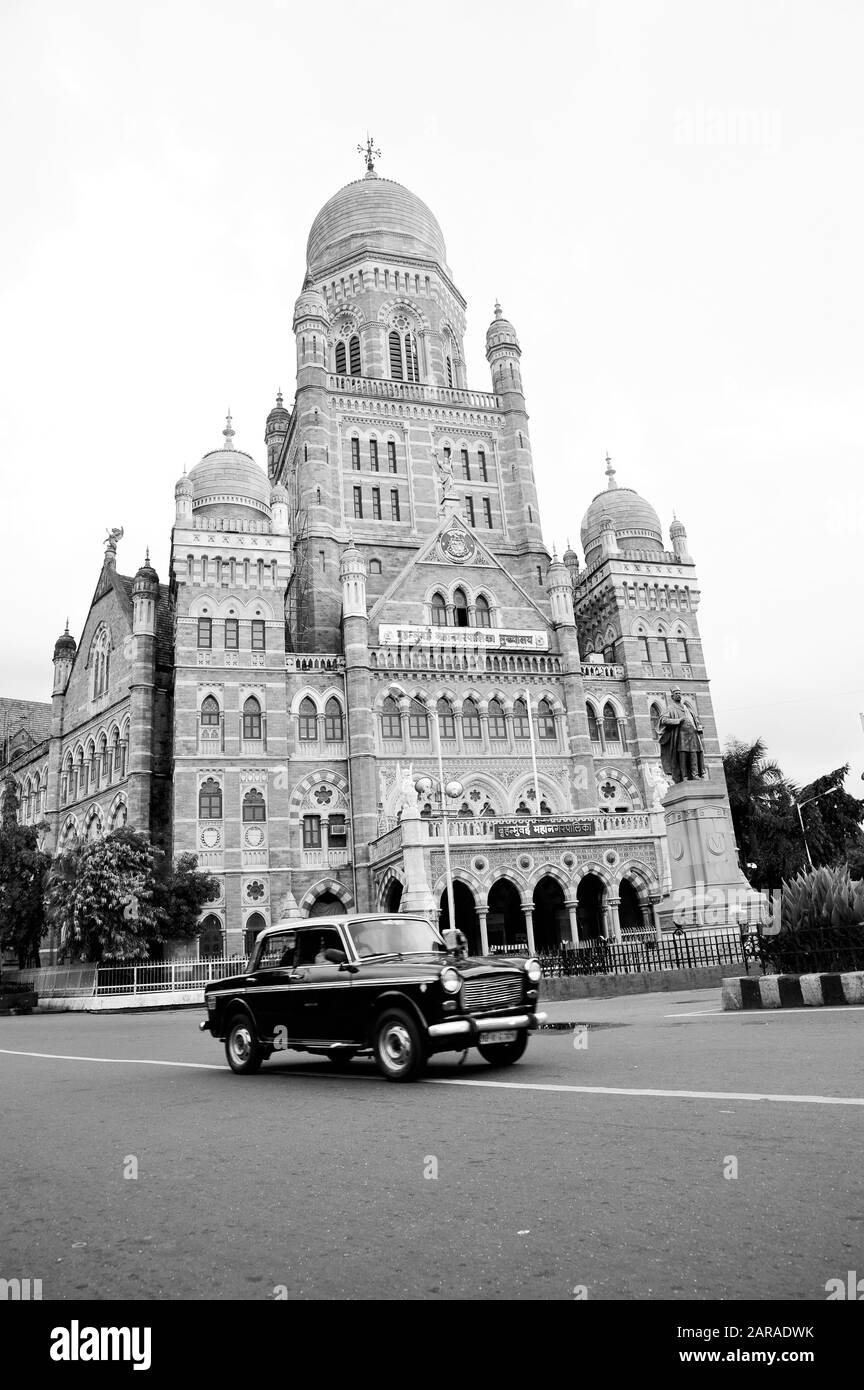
(369, 153)
(228, 430)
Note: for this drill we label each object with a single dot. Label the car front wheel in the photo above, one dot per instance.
(242, 1048)
(503, 1054)
(400, 1052)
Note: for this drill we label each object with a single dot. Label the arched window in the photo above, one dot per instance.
(333, 731)
(210, 710)
(497, 722)
(483, 612)
(391, 719)
(210, 941)
(610, 725)
(460, 609)
(341, 359)
(210, 800)
(545, 719)
(593, 726)
(446, 719)
(418, 722)
(308, 721)
(100, 655)
(254, 808)
(655, 721)
(439, 611)
(403, 357)
(251, 718)
(374, 566)
(354, 355)
(470, 720)
(520, 720)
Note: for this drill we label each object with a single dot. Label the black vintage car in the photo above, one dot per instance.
(383, 984)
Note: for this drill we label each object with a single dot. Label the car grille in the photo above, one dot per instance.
(493, 992)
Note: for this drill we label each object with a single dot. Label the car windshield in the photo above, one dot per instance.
(396, 936)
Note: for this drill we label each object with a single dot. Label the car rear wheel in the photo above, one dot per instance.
(400, 1052)
(503, 1054)
(242, 1048)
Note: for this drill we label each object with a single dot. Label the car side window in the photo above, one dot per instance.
(313, 942)
(277, 950)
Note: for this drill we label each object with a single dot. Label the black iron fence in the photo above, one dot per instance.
(674, 951)
(814, 952)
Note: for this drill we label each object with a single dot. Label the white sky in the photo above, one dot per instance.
(666, 197)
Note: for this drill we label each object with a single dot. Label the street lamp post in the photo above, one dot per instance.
(798, 805)
(424, 785)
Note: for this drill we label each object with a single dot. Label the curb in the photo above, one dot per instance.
(793, 991)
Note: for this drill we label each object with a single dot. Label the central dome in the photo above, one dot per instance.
(228, 479)
(373, 215)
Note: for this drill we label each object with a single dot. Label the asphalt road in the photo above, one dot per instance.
(305, 1182)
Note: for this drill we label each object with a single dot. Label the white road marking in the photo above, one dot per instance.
(555, 1088)
(132, 1061)
(814, 1009)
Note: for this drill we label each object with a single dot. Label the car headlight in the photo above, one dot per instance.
(533, 970)
(451, 980)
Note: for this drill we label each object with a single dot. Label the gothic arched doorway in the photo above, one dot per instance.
(551, 919)
(465, 911)
(210, 941)
(506, 922)
(254, 925)
(327, 905)
(589, 907)
(392, 896)
(630, 912)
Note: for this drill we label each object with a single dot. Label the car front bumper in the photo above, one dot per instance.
(472, 1029)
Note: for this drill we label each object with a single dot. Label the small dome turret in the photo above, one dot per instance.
(65, 646)
(310, 304)
(500, 332)
(146, 577)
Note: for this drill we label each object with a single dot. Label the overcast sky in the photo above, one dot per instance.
(666, 197)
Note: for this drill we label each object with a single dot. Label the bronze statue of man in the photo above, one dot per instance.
(682, 752)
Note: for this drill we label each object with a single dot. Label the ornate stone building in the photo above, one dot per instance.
(383, 583)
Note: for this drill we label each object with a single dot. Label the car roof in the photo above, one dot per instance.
(296, 923)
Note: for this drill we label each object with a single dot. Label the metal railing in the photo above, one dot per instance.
(674, 951)
(164, 977)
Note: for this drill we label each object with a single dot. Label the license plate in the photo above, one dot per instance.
(504, 1035)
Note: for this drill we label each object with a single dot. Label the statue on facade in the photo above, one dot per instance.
(444, 464)
(659, 783)
(115, 534)
(682, 751)
(406, 797)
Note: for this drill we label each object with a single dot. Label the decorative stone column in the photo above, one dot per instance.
(571, 906)
(528, 914)
(655, 917)
(482, 913)
(614, 919)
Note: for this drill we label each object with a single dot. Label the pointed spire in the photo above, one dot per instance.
(279, 396)
(147, 555)
(66, 633)
(610, 472)
(497, 309)
(228, 430)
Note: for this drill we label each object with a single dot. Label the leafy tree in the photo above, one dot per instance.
(103, 897)
(22, 870)
(183, 892)
(765, 818)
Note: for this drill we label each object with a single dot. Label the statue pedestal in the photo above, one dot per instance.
(417, 895)
(707, 888)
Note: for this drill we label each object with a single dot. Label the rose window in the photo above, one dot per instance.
(254, 891)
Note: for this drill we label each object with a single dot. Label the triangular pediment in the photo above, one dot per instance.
(454, 546)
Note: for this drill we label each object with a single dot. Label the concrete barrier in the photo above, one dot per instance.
(640, 982)
(793, 991)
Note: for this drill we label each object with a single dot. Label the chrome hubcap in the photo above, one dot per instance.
(241, 1044)
(396, 1045)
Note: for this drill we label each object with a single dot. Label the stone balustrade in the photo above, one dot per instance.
(412, 391)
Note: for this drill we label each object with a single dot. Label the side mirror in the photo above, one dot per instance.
(335, 957)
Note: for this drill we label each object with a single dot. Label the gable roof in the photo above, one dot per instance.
(423, 555)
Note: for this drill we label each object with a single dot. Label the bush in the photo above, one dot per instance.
(822, 900)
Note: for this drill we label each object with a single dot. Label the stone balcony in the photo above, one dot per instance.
(324, 858)
(501, 830)
(412, 391)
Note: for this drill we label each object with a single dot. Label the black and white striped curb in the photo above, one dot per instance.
(793, 991)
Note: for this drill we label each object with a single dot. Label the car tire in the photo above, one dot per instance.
(242, 1048)
(503, 1054)
(398, 1046)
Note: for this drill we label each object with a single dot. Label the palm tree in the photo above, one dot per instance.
(759, 794)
